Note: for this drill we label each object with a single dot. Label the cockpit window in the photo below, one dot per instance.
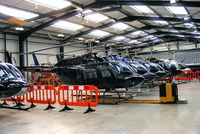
(15, 71)
(90, 72)
(117, 67)
(2, 73)
(122, 67)
(104, 71)
(5, 73)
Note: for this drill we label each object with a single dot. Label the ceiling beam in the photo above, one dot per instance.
(132, 18)
(103, 3)
(171, 51)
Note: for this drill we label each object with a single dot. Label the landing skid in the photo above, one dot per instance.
(18, 106)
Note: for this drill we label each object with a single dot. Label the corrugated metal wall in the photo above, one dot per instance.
(188, 57)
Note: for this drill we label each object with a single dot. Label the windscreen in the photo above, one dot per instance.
(5, 73)
(15, 71)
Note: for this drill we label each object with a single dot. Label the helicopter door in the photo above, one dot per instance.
(105, 73)
(90, 72)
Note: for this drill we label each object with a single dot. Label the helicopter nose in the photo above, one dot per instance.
(137, 80)
(160, 74)
(149, 76)
(176, 72)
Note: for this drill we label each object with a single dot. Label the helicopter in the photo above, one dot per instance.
(175, 68)
(141, 69)
(90, 69)
(136, 66)
(12, 82)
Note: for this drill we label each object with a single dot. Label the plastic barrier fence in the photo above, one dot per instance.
(186, 75)
(78, 96)
(197, 75)
(42, 94)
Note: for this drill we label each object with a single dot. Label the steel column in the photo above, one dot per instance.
(22, 41)
(5, 45)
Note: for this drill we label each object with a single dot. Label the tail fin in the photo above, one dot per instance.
(8, 57)
(35, 59)
(58, 57)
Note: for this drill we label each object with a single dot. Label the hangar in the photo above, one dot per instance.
(119, 53)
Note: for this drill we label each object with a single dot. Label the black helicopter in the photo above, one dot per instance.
(12, 82)
(136, 66)
(89, 69)
(141, 69)
(175, 68)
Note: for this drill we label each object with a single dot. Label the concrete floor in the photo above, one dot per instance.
(124, 118)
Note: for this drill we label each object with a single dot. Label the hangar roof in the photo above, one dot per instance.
(122, 24)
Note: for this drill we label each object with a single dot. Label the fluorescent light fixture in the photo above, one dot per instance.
(177, 10)
(195, 32)
(189, 25)
(174, 31)
(162, 22)
(157, 40)
(173, 2)
(20, 14)
(143, 44)
(142, 9)
(120, 26)
(118, 38)
(67, 25)
(138, 33)
(19, 29)
(133, 41)
(138, 42)
(153, 38)
(54, 4)
(97, 41)
(61, 35)
(96, 17)
(99, 33)
(87, 11)
(180, 35)
(197, 37)
(149, 36)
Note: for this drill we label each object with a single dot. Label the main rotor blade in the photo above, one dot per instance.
(47, 48)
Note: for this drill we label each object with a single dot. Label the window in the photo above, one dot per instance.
(90, 72)
(104, 71)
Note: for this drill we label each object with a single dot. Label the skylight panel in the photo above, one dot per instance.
(180, 35)
(197, 37)
(138, 42)
(99, 33)
(195, 32)
(138, 33)
(144, 43)
(54, 4)
(162, 22)
(20, 14)
(118, 38)
(153, 38)
(120, 26)
(174, 31)
(133, 41)
(177, 10)
(67, 25)
(149, 36)
(189, 25)
(157, 40)
(142, 9)
(96, 17)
